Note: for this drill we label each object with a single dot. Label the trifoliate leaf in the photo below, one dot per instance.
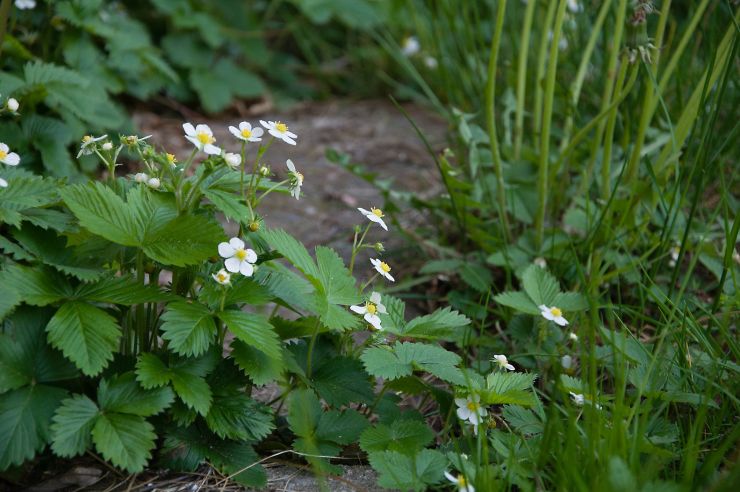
(442, 323)
(73, 422)
(523, 420)
(123, 394)
(25, 417)
(539, 285)
(190, 328)
(125, 440)
(517, 300)
(509, 387)
(254, 330)
(86, 335)
(403, 436)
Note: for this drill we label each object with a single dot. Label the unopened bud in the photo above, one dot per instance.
(254, 226)
(13, 104)
(378, 247)
(153, 183)
(107, 146)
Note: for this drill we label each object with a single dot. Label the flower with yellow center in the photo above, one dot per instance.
(469, 409)
(553, 314)
(246, 133)
(280, 131)
(374, 215)
(87, 146)
(382, 268)
(370, 310)
(232, 160)
(171, 159)
(8, 157)
(461, 482)
(296, 179)
(238, 257)
(222, 277)
(202, 137)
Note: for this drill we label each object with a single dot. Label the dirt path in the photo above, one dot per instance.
(373, 133)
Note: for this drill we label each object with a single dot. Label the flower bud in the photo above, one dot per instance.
(141, 177)
(254, 226)
(378, 247)
(153, 183)
(13, 104)
(265, 171)
(232, 160)
(107, 146)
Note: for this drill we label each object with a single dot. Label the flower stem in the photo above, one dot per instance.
(312, 343)
(521, 82)
(356, 248)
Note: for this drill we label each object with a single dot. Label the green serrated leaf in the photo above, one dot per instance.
(539, 285)
(36, 286)
(342, 380)
(193, 391)
(570, 301)
(406, 357)
(186, 240)
(151, 372)
(73, 423)
(25, 417)
(400, 471)
(442, 323)
(235, 415)
(125, 440)
(124, 290)
(86, 335)
(123, 394)
(256, 364)
(292, 249)
(519, 301)
(254, 330)
(228, 203)
(403, 436)
(190, 328)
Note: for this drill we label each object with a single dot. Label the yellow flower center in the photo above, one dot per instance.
(221, 277)
(377, 212)
(473, 406)
(3, 154)
(246, 133)
(299, 177)
(461, 482)
(385, 267)
(371, 308)
(241, 254)
(556, 312)
(86, 138)
(171, 158)
(281, 127)
(205, 138)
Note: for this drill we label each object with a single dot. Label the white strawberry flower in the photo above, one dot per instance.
(461, 482)
(573, 336)
(153, 183)
(238, 257)
(202, 137)
(574, 6)
(370, 310)
(3, 183)
(296, 180)
(280, 131)
(375, 215)
(675, 254)
(578, 399)
(469, 409)
(7, 157)
(13, 104)
(410, 46)
(382, 268)
(141, 177)
(232, 160)
(503, 362)
(222, 277)
(87, 146)
(553, 314)
(246, 133)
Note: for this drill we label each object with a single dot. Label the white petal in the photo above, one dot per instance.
(251, 256)
(548, 315)
(3, 183)
(288, 140)
(212, 149)
(375, 262)
(194, 141)
(389, 276)
(236, 243)
(257, 132)
(375, 298)
(203, 129)
(543, 307)
(364, 212)
(461, 402)
(381, 308)
(4, 147)
(510, 367)
(12, 159)
(463, 413)
(450, 477)
(235, 131)
(189, 129)
(266, 124)
(373, 320)
(561, 321)
(358, 309)
(232, 264)
(246, 269)
(244, 125)
(291, 166)
(225, 250)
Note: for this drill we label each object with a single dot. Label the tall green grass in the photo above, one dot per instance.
(601, 157)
